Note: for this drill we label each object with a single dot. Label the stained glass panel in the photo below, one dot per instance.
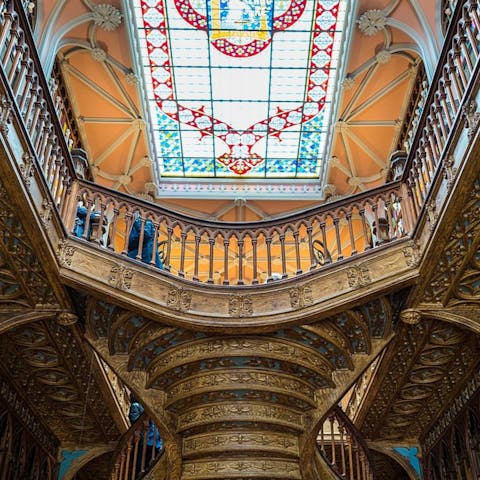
(239, 88)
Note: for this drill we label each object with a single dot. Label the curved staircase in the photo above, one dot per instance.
(245, 405)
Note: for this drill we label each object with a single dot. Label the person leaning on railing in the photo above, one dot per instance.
(148, 242)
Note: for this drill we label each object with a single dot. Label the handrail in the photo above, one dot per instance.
(343, 448)
(236, 253)
(445, 103)
(134, 457)
(221, 252)
(23, 77)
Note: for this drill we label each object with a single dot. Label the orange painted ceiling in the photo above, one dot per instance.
(92, 45)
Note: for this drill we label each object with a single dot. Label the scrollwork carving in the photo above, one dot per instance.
(5, 114)
(179, 299)
(240, 306)
(121, 277)
(260, 468)
(432, 214)
(236, 440)
(226, 380)
(301, 296)
(472, 117)
(412, 254)
(239, 411)
(46, 214)
(449, 171)
(27, 169)
(358, 276)
(65, 253)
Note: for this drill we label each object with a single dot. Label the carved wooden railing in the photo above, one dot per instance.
(21, 456)
(352, 401)
(28, 95)
(342, 447)
(221, 252)
(446, 106)
(236, 254)
(451, 449)
(134, 457)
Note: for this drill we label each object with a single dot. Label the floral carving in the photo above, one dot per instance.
(106, 17)
(372, 22)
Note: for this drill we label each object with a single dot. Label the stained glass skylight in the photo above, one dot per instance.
(239, 88)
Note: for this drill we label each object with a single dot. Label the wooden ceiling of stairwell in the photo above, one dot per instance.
(96, 63)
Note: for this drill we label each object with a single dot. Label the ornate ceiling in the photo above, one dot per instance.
(383, 42)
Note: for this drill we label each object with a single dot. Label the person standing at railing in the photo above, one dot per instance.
(148, 242)
(154, 440)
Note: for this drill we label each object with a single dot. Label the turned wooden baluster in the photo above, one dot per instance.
(113, 228)
(254, 259)
(350, 231)
(140, 239)
(336, 221)
(297, 252)
(7, 22)
(211, 242)
(166, 265)
(327, 256)
(268, 242)
(332, 441)
(226, 246)
(283, 253)
(313, 260)
(196, 257)
(183, 236)
(16, 58)
(343, 470)
(240, 243)
(153, 258)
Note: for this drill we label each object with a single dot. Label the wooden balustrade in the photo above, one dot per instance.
(240, 254)
(233, 253)
(23, 78)
(457, 72)
(21, 456)
(134, 457)
(342, 448)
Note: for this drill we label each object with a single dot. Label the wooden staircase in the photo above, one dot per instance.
(238, 406)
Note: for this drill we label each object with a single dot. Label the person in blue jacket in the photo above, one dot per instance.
(154, 440)
(148, 238)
